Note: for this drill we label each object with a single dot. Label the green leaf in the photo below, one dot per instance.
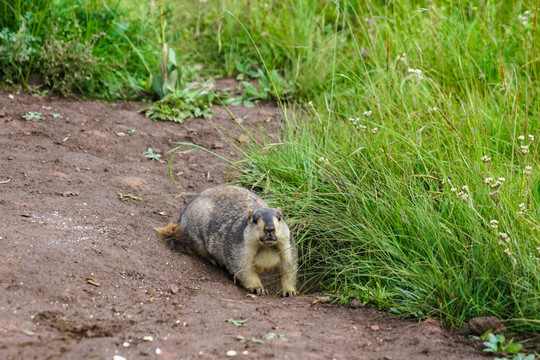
(150, 154)
(237, 322)
(492, 338)
(245, 340)
(249, 104)
(273, 335)
(513, 348)
(172, 56)
(485, 335)
(32, 116)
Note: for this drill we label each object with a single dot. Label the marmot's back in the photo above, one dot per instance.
(215, 220)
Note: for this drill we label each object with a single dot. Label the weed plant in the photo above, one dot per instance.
(101, 48)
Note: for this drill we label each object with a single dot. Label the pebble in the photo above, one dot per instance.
(231, 353)
(174, 289)
(118, 357)
(158, 351)
(148, 338)
(324, 299)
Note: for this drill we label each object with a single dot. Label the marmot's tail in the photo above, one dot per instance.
(173, 238)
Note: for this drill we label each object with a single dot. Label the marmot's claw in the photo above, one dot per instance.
(287, 293)
(258, 291)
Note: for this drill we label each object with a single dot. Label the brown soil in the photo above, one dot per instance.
(83, 275)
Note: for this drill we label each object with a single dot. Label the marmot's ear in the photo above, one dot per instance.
(279, 211)
(250, 212)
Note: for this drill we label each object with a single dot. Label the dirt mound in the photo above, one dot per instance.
(83, 274)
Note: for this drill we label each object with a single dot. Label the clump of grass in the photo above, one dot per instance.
(68, 65)
(123, 36)
(408, 149)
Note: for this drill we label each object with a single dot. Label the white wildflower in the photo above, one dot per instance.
(416, 72)
(496, 185)
(465, 188)
(524, 149)
(453, 189)
(494, 194)
(527, 170)
(488, 180)
(374, 130)
(531, 138)
(494, 224)
(368, 113)
(486, 159)
(402, 57)
(504, 236)
(521, 137)
(354, 120)
(362, 127)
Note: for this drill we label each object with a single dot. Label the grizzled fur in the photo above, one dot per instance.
(235, 229)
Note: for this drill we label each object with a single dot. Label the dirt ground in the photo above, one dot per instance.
(83, 275)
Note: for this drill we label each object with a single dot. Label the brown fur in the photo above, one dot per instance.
(235, 229)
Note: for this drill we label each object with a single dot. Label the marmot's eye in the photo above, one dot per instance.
(279, 218)
(253, 220)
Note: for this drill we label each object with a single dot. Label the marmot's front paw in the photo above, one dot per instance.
(259, 290)
(286, 293)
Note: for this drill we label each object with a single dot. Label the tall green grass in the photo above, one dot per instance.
(381, 173)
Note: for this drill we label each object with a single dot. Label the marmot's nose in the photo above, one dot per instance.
(269, 229)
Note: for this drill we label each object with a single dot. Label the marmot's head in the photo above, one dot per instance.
(267, 224)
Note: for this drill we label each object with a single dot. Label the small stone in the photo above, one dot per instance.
(243, 138)
(132, 182)
(58, 174)
(480, 325)
(118, 357)
(158, 351)
(218, 145)
(375, 327)
(174, 289)
(126, 344)
(148, 338)
(324, 299)
(231, 353)
(355, 304)
(121, 134)
(2, 113)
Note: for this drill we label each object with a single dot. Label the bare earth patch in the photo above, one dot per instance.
(83, 274)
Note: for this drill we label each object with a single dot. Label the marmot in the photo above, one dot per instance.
(234, 228)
